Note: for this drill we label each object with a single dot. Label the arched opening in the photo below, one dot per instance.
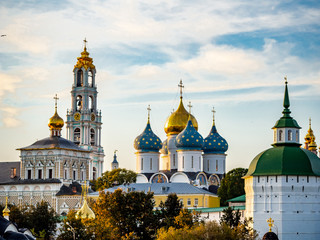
(79, 103)
(90, 78)
(91, 103)
(76, 136)
(79, 78)
(92, 137)
(289, 135)
(280, 135)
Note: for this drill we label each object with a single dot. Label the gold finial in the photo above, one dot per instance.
(6, 211)
(85, 43)
(149, 109)
(309, 122)
(55, 101)
(190, 106)
(180, 85)
(285, 80)
(213, 112)
(270, 224)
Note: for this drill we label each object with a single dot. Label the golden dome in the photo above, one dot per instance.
(178, 120)
(6, 210)
(84, 61)
(85, 211)
(55, 122)
(312, 145)
(309, 136)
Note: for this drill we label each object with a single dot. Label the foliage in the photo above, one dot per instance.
(230, 217)
(169, 210)
(187, 219)
(232, 185)
(77, 227)
(115, 177)
(208, 231)
(122, 215)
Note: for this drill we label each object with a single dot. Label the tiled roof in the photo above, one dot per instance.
(217, 209)
(5, 171)
(31, 181)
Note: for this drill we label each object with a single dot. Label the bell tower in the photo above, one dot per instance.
(84, 119)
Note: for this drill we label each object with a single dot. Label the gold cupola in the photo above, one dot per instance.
(55, 122)
(6, 210)
(178, 120)
(84, 61)
(85, 212)
(309, 138)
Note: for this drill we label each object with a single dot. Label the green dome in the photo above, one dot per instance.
(285, 160)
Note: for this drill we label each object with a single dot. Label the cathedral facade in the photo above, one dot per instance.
(185, 156)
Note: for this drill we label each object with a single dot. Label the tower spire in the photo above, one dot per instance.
(286, 102)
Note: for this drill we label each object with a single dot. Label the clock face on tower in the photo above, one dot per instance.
(93, 117)
(76, 116)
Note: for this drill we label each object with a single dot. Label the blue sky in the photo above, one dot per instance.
(232, 55)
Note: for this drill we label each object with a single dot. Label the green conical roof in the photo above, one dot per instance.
(286, 120)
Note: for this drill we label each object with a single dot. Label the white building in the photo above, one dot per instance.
(283, 183)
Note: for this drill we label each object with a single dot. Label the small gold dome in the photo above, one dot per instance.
(55, 122)
(85, 211)
(309, 136)
(178, 120)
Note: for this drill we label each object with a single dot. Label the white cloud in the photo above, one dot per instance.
(9, 118)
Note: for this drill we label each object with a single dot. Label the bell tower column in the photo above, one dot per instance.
(84, 120)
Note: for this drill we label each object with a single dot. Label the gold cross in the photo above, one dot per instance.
(149, 109)
(180, 85)
(270, 221)
(190, 106)
(85, 43)
(56, 100)
(213, 111)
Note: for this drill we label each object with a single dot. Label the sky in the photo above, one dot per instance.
(231, 55)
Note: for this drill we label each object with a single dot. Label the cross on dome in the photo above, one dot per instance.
(190, 106)
(149, 110)
(85, 43)
(285, 80)
(55, 100)
(270, 224)
(213, 112)
(180, 85)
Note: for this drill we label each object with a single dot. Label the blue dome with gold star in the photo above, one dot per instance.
(147, 141)
(189, 138)
(214, 143)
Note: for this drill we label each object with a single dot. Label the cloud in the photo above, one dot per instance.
(9, 118)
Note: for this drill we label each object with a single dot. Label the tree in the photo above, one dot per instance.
(115, 177)
(125, 215)
(169, 210)
(232, 185)
(230, 217)
(73, 227)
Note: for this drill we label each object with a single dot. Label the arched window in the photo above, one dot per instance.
(297, 136)
(141, 163)
(79, 78)
(76, 136)
(91, 103)
(174, 160)
(182, 161)
(90, 79)
(217, 167)
(92, 137)
(289, 135)
(280, 135)
(79, 103)
(191, 161)
(150, 163)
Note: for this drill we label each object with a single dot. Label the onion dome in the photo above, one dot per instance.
(214, 143)
(6, 210)
(164, 149)
(85, 211)
(55, 122)
(84, 61)
(270, 236)
(285, 158)
(189, 138)
(310, 138)
(147, 141)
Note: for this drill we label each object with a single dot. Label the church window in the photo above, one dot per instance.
(79, 78)
(94, 173)
(174, 160)
(79, 103)
(280, 135)
(182, 161)
(39, 173)
(307, 179)
(302, 188)
(141, 163)
(82, 175)
(50, 173)
(189, 202)
(267, 178)
(90, 79)
(196, 202)
(29, 172)
(217, 165)
(76, 136)
(297, 136)
(262, 189)
(91, 103)
(191, 161)
(289, 135)
(258, 179)
(292, 188)
(287, 178)
(74, 174)
(297, 179)
(150, 163)
(199, 162)
(65, 174)
(92, 137)
(208, 164)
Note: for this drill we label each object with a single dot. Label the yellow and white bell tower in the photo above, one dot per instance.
(84, 119)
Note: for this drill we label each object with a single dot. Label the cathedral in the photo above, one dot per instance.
(54, 168)
(185, 156)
